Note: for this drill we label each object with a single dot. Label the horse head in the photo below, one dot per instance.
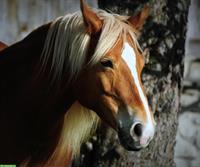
(110, 83)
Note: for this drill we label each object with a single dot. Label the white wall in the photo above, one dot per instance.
(193, 33)
(19, 17)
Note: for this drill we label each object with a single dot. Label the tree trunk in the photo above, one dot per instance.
(164, 36)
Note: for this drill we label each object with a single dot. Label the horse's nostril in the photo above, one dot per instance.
(137, 129)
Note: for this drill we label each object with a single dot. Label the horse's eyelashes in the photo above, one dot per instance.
(107, 63)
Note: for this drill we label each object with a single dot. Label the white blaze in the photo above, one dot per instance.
(129, 57)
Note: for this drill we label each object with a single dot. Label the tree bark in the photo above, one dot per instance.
(164, 37)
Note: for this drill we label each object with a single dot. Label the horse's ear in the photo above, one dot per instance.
(138, 21)
(92, 21)
(3, 46)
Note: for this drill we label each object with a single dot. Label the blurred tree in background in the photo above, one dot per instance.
(164, 37)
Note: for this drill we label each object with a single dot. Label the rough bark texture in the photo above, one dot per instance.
(164, 36)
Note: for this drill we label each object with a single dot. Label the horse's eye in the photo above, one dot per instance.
(107, 63)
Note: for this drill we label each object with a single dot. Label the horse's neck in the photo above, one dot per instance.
(18, 60)
(28, 48)
(31, 112)
(17, 63)
(78, 124)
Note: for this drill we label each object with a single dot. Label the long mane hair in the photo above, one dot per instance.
(66, 48)
(67, 42)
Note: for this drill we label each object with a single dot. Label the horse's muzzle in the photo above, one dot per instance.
(133, 132)
(133, 136)
(127, 141)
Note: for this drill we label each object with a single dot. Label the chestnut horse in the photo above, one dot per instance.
(62, 78)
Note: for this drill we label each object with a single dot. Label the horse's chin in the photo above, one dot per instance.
(128, 143)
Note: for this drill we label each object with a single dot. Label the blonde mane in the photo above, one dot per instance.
(79, 124)
(66, 47)
(68, 42)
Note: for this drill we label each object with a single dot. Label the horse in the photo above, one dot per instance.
(67, 76)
